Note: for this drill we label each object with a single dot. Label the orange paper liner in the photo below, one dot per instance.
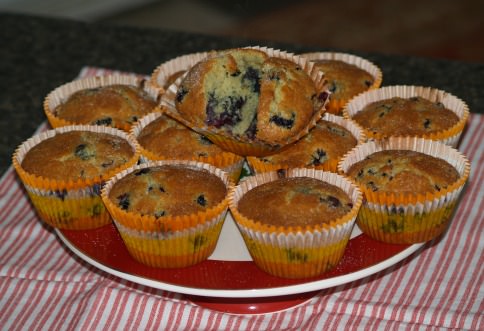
(296, 252)
(449, 136)
(258, 165)
(175, 249)
(165, 224)
(69, 204)
(336, 105)
(228, 162)
(408, 218)
(60, 94)
(243, 146)
(182, 63)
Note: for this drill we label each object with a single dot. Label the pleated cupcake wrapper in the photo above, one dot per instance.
(165, 224)
(449, 136)
(173, 249)
(60, 94)
(243, 146)
(408, 218)
(296, 252)
(336, 105)
(182, 63)
(258, 165)
(69, 204)
(228, 162)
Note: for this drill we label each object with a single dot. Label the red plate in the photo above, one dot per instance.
(233, 285)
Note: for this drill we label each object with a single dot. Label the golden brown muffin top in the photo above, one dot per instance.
(326, 141)
(170, 139)
(77, 155)
(168, 190)
(403, 171)
(299, 201)
(114, 105)
(345, 80)
(248, 95)
(397, 116)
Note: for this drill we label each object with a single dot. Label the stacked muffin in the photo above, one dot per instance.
(159, 158)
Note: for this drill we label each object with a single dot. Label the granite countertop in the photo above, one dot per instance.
(38, 54)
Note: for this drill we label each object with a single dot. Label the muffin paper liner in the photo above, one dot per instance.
(63, 92)
(169, 241)
(336, 105)
(243, 146)
(296, 252)
(259, 165)
(68, 204)
(449, 136)
(228, 162)
(408, 218)
(162, 73)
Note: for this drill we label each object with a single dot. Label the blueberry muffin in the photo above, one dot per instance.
(249, 96)
(403, 171)
(398, 116)
(409, 111)
(169, 213)
(170, 190)
(348, 75)
(116, 101)
(161, 138)
(321, 148)
(297, 223)
(77, 155)
(295, 202)
(411, 187)
(64, 169)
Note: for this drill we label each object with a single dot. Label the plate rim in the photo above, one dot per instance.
(247, 293)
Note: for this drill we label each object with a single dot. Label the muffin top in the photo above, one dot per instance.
(298, 201)
(403, 171)
(326, 141)
(345, 80)
(170, 139)
(248, 95)
(168, 190)
(77, 155)
(398, 116)
(114, 105)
